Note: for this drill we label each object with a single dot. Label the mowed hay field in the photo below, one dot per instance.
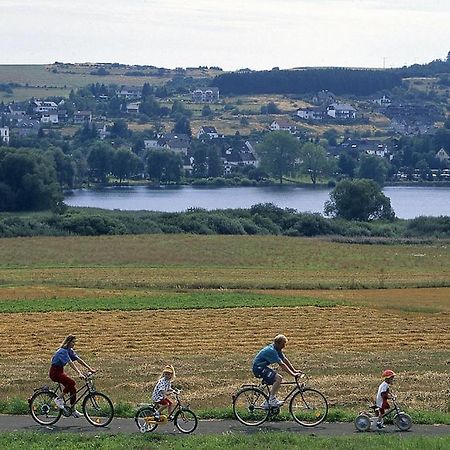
(207, 303)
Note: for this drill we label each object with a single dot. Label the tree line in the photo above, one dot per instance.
(340, 81)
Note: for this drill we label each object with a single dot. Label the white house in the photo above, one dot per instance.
(81, 117)
(4, 135)
(383, 101)
(209, 95)
(129, 93)
(442, 155)
(133, 108)
(209, 131)
(282, 125)
(50, 117)
(341, 111)
(312, 113)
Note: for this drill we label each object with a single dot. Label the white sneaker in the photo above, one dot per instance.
(59, 402)
(275, 402)
(76, 414)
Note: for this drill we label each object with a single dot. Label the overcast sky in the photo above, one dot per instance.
(232, 34)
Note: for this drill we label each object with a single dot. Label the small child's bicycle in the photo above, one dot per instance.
(183, 418)
(365, 420)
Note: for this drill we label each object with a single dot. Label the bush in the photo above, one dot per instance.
(429, 226)
(310, 225)
(225, 225)
(92, 225)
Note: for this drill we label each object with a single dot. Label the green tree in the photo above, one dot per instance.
(374, 168)
(182, 125)
(347, 165)
(279, 153)
(215, 165)
(314, 161)
(359, 199)
(163, 166)
(124, 164)
(100, 161)
(28, 181)
(200, 155)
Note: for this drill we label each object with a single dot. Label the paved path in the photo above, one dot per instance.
(118, 425)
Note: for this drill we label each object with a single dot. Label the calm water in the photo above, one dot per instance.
(408, 202)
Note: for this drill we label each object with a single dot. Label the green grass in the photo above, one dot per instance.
(20, 406)
(163, 300)
(258, 440)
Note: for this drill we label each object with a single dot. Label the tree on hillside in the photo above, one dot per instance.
(279, 153)
(374, 168)
(100, 160)
(125, 164)
(163, 166)
(314, 161)
(359, 200)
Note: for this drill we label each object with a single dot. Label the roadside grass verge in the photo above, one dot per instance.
(262, 440)
(18, 406)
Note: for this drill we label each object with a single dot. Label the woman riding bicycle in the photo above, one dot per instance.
(63, 356)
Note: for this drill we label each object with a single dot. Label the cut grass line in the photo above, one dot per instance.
(168, 301)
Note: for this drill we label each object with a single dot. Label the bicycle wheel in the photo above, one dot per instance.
(308, 407)
(143, 419)
(185, 420)
(43, 408)
(403, 421)
(362, 422)
(98, 409)
(250, 406)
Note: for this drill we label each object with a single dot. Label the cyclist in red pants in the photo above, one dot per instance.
(66, 355)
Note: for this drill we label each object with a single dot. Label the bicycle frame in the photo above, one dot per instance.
(87, 388)
(265, 387)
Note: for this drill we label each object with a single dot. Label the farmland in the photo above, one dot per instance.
(207, 303)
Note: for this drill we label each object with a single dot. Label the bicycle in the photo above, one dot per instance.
(365, 420)
(307, 406)
(97, 407)
(183, 418)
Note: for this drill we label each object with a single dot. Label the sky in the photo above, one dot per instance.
(232, 34)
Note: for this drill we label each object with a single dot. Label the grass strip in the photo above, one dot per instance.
(259, 440)
(20, 407)
(198, 300)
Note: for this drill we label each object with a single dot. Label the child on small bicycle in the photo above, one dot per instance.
(383, 394)
(162, 390)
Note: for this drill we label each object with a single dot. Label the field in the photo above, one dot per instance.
(207, 303)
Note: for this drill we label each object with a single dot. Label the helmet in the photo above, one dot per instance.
(388, 373)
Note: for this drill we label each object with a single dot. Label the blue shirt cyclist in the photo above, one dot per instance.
(272, 354)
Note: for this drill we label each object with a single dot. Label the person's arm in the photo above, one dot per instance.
(79, 360)
(74, 367)
(289, 369)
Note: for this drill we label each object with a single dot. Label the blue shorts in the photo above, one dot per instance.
(266, 373)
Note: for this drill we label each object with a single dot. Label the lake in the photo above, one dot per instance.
(407, 202)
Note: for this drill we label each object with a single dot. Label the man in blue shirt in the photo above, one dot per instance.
(272, 354)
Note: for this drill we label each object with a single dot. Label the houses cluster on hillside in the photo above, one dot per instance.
(409, 119)
(232, 152)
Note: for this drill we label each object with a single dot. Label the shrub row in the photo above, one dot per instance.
(258, 220)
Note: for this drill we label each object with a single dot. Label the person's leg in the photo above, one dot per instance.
(57, 374)
(276, 386)
(69, 387)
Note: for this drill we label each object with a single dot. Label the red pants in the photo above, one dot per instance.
(57, 374)
(165, 401)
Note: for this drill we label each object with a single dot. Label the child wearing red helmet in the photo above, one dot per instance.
(383, 395)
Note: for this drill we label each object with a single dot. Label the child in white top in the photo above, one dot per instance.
(163, 389)
(383, 395)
